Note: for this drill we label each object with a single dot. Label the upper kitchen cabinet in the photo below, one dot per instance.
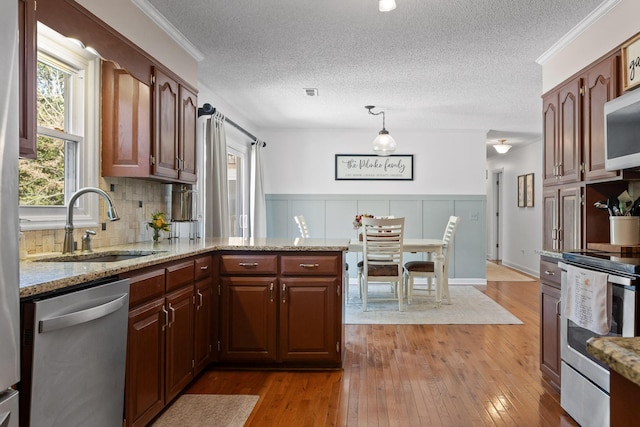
(561, 116)
(27, 80)
(126, 123)
(600, 86)
(174, 129)
(573, 117)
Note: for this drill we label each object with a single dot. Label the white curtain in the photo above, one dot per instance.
(216, 186)
(258, 205)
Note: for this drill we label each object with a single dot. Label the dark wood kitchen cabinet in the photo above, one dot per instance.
(281, 309)
(126, 123)
(205, 307)
(160, 343)
(550, 319)
(27, 59)
(562, 217)
(561, 119)
(174, 129)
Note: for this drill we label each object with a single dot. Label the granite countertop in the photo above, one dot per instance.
(551, 254)
(620, 354)
(38, 277)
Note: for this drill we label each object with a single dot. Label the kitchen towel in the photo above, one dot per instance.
(588, 299)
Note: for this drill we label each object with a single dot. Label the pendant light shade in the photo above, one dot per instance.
(386, 5)
(384, 144)
(502, 147)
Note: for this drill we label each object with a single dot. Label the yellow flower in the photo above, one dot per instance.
(158, 222)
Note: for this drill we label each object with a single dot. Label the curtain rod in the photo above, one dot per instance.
(208, 110)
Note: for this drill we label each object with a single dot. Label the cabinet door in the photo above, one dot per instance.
(165, 126)
(601, 83)
(126, 126)
(203, 324)
(550, 132)
(570, 204)
(144, 392)
(180, 362)
(550, 332)
(569, 132)
(550, 220)
(188, 118)
(248, 318)
(27, 57)
(308, 316)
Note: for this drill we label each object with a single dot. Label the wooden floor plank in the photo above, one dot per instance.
(415, 375)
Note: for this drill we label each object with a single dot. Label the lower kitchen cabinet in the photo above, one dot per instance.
(307, 323)
(169, 321)
(179, 341)
(205, 307)
(281, 310)
(550, 320)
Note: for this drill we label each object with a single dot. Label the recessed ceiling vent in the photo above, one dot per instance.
(310, 91)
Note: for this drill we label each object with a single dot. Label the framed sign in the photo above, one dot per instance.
(365, 167)
(521, 191)
(631, 63)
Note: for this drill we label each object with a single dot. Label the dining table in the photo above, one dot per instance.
(432, 247)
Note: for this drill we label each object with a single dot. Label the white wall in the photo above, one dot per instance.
(302, 161)
(611, 30)
(521, 228)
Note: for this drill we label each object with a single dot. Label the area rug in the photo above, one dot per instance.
(499, 273)
(469, 306)
(197, 410)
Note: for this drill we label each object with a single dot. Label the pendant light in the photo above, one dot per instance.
(384, 144)
(386, 5)
(502, 147)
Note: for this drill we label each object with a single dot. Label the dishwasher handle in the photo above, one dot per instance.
(82, 316)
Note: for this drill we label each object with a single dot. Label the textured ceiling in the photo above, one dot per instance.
(430, 64)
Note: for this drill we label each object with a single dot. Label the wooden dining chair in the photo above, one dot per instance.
(382, 256)
(302, 226)
(414, 269)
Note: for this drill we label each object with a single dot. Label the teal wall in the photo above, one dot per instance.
(331, 216)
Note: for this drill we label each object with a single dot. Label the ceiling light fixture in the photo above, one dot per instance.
(386, 5)
(384, 144)
(502, 147)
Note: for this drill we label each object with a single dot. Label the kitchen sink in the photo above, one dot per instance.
(113, 256)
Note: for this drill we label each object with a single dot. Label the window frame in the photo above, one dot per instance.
(84, 124)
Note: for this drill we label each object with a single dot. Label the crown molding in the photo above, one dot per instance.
(153, 14)
(573, 34)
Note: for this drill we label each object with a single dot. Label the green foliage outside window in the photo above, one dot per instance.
(42, 179)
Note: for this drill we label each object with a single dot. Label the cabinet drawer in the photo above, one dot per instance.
(180, 274)
(249, 264)
(145, 286)
(204, 266)
(316, 265)
(550, 272)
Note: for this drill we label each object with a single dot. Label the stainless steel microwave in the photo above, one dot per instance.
(622, 132)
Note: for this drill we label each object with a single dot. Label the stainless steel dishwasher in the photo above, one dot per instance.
(74, 356)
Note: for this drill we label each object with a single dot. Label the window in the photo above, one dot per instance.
(236, 176)
(67, 87)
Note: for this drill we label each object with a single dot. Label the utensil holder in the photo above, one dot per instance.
(624, 230)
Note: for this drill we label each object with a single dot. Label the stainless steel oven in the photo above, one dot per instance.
(584, 380)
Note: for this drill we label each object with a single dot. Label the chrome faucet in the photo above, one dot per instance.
(112, 213)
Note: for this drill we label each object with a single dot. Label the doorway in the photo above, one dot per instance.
(495, 254)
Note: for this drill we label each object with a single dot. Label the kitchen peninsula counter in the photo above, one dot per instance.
(39, 277)
(620, 354)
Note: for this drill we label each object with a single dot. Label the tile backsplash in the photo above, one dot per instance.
(135, 200)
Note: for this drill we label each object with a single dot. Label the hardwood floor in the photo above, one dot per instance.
(415, 375)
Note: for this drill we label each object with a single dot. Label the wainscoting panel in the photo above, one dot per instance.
(331, 216)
